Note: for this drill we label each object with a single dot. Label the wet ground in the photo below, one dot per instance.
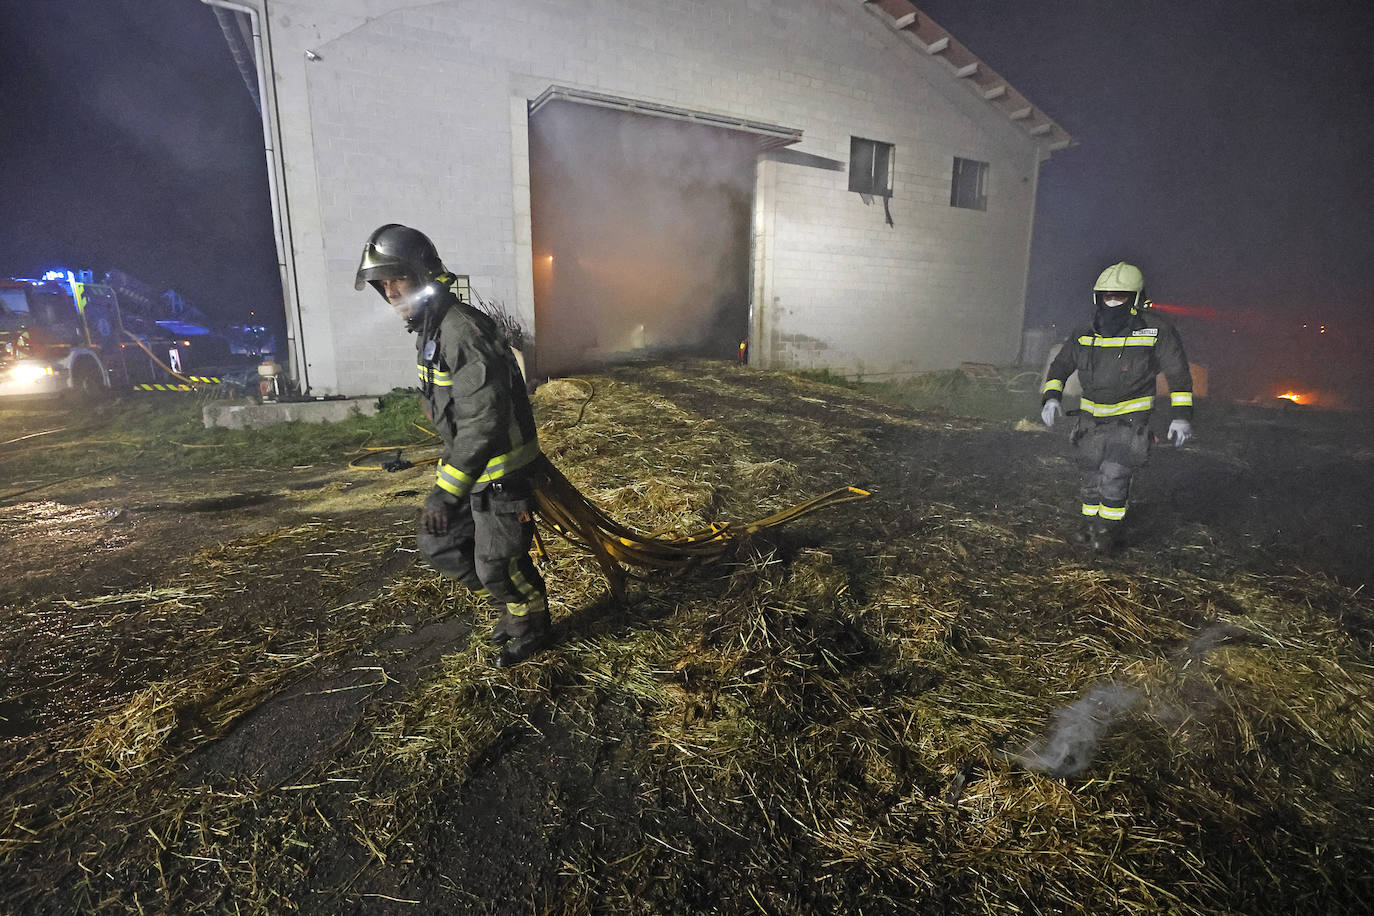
(305, 583)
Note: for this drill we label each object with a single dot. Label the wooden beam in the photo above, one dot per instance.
(938, 46)
(902, 22)
(996, 92)
(967, 70)
(1021, 114)
(1040, 130)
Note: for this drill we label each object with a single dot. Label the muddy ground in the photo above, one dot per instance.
(200, 673)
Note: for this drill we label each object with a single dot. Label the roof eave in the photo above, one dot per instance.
(923, 33)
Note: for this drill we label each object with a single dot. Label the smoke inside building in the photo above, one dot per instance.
(640, 229)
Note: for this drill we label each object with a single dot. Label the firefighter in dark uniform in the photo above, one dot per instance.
(476, 524)
(1117, 358)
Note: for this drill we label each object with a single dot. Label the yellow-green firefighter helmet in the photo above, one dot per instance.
(1120, 278)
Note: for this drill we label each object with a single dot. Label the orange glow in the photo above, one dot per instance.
(1296, 398)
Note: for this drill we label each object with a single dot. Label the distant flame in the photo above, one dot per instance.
(1296, 398)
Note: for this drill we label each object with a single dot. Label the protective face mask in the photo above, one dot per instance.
(1112, 302)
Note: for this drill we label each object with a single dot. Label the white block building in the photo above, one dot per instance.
(857, 189)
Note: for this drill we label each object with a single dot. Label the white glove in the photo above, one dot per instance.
(1051, 410)
(1180, 431)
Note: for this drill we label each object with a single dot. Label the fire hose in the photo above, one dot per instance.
(189, 382)
(581, 523)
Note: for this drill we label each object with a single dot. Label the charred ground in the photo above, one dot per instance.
(231, 688)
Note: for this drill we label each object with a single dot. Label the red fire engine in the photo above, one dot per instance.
(63, 333)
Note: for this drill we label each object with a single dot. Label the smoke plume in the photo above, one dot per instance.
(1078, 728)
(640, 233)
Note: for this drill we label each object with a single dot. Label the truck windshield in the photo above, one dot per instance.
(13, 302)
(53, 307)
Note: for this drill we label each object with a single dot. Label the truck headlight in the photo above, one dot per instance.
(28, 371)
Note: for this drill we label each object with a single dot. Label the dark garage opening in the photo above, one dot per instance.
(641, 234)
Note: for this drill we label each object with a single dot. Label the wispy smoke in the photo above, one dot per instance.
(1081, 726)
(1214, 636)
(1078, 728)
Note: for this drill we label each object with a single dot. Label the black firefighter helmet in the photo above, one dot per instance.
(394, 250)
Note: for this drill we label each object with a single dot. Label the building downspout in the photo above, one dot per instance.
(297, 367)
(1041, 157)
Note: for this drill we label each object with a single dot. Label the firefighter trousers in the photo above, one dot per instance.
(1108, 452)
(487, 547)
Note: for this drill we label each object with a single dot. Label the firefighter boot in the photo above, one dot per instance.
(527, 633)
(500, 634)
(1083, 535)
(1105, 537)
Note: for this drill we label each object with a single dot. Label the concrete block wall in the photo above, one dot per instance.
(942, 285)
(415, 114)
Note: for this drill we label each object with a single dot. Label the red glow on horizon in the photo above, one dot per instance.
(1203, 312)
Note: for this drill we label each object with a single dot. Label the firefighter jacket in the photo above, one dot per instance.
(1118, 372)
(474, 394)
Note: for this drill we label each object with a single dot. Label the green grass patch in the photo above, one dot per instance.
(167, 433)
(1004, 394)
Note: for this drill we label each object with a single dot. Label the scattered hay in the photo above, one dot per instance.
(674, 504)
(918, 702)
(126, 740)
(142, 730)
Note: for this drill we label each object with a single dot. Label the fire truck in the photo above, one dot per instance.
(63, 333)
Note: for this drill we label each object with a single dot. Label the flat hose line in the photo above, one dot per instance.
(580, 522)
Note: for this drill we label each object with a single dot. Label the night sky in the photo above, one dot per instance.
(1224, 147)
(132, 143)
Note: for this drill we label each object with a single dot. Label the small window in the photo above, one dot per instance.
(870, 167)
(462, 288)
(969, 188)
